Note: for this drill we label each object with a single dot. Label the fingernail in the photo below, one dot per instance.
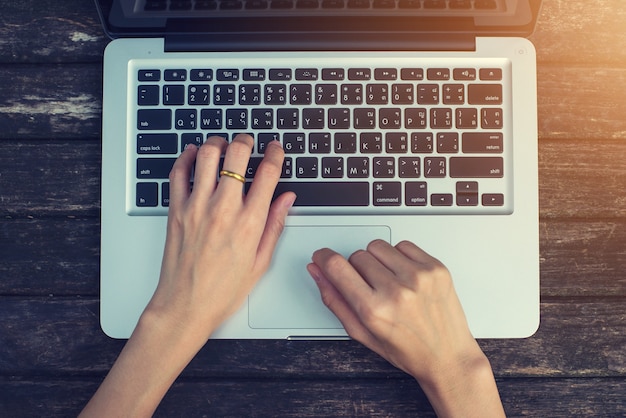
(189, 146)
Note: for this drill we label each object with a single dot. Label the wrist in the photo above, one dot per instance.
(465, 387)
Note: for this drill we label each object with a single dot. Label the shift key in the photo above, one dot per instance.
(476, 167)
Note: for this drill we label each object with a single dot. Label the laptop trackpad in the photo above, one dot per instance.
(287, 296)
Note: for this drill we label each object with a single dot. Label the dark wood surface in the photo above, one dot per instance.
(53, 354)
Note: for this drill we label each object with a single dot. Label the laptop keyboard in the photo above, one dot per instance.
(411, 138)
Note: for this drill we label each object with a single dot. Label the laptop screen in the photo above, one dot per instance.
(146, 18)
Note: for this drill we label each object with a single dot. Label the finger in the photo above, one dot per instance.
(236, 161)
(274, 227)
(342, 275)
(371, 269)
(266, 177)
(207, 163)
(390, 256)
(416, 254)
(180, 176)
(338, 305)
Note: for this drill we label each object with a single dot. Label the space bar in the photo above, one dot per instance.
(327, 193)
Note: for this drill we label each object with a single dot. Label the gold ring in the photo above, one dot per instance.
(233, 175)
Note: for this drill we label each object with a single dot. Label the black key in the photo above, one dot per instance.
(201, 74)
(189, 138)
(157, 144)
(300, 94)
(387, 193)
(332, 167)
(409, 167)
(147, 194)
(371, 143)
(227, 75)
(265, 138)
(165, 194)
(390, 118)
(294, 143)
(345, 143)
(422, 142)
(484, 94)
(490, 74)
(236, 118)
(441, 199)
(326, 94)
(359, 74)
(476, 167)
(386, 73)
(447, 142)
(211, 119)
(333, 74)
(467, 193)
(253, 74)
(224, 94)
(435, 167)
(306, 167)
(441, 118)
(412, 74)
(339, 118)
(306, 74)
(493, 199)
(149, 75)
(154, 168)
(384, 167)
(154, 119)
(351, 94)
(482, 143)
(327, 193)
(319, 143)
(313, 118)
(438, 74)
(186, 119)
(198, 94)
(262, 118)
(148, 95)
(287, 118)
(464, 73)
(364, 118)
(396, 142)
(173, 95)
(358, 167)
(175, 75)
(280, 74)
(415, 193)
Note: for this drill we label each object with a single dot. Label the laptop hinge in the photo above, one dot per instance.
(340, 41)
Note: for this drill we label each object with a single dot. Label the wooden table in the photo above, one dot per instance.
(53, 354)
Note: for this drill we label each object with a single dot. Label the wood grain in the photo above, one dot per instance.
(53, 353)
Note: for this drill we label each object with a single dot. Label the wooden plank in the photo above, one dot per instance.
(304, 398)
(60, 256)
(55, 101)
(72, 29)
(567, 31)
(583, 180)
(51, 256)
(581, 32)
(62, 335)
(65, 101)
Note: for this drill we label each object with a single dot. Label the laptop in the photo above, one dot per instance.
(401, 120)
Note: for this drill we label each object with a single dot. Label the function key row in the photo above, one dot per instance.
(179, 5)
(313, 74)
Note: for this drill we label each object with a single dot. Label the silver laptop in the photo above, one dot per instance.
(401, 120)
